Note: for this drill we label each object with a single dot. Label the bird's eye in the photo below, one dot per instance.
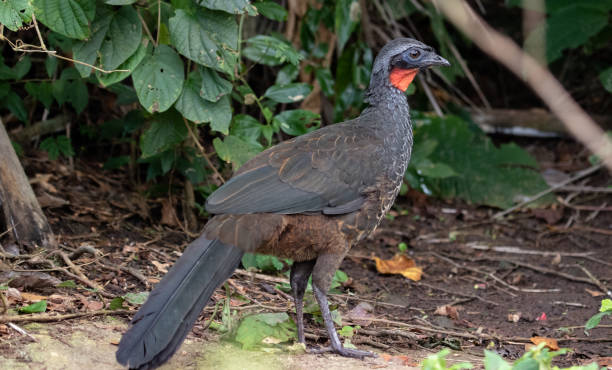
(414, 53)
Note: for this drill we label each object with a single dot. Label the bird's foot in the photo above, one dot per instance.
(346, 352)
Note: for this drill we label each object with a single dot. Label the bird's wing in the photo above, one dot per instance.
(324, 171)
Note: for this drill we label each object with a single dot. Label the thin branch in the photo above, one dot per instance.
(539, 195)
(203, 152)
(52, 318)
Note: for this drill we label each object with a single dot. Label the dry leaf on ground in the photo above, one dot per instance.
(400, 264)
(449, 311)
(550, 343)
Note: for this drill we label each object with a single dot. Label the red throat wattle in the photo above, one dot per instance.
(402, 78)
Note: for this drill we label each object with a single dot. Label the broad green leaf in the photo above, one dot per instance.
(246, 128)
(136, 298)
(569, 27)
(270, 51)
(606, 305)
(197, 109)
(22, 67)
(56, 146)
(116, 36)
(230, 6)
(253, 329)
(272, 10)
(40, 306)
(107, 79)
(347, 17)
(51, 65)
(68, 17)
(606, 79)
(326, 81)
(481, 172)
(595, 320)
(166, 131)
(235, 150)
(494, 361)
(298, 122)
(116, 303)
(14, 103)
(286, 75)
(289, 93)
(158, 79)
(42, 91)
(14, 12)
(213, 86)
(262, 262)
(207, 37)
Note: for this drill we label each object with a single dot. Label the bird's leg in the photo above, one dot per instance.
(300, 272)
(322, 276)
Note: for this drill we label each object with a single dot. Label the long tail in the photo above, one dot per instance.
(162, 323)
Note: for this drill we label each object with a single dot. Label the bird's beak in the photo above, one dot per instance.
(433, 59)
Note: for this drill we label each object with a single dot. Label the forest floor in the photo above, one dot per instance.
(486, 284)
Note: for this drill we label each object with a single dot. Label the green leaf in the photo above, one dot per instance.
(246, 128)
(494, 361)
(235, 150)
(116, 303)
(213, 86)
(289, 93)
(207, 37)
(22, 67)
(253, 329)
(42, 92)
(158, 80)
(272, 10)
(67, 17)
(298, 122)
(56, 146)
(67, 284)
(15, 104)
(481, 172)
(346, 19)
(107, 79)
(51, 65)
(166, 131)
(136, 298)
(594, 320)
(569, 27)
(606, 305)
(606, 79)
(116, 36)
(230, 6)
(197, 109)
(286, 75)
(270, 51)
(262, 262)
(14, 12)
(40, 306)
(326, 81)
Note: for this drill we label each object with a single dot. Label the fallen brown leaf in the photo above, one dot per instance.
(30, 297)
(549, 342)
(448, 311)
(162, 267)
(361, 314)
(400, 264)
(594, 293)
(604, 361)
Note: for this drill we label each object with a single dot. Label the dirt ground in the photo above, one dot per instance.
(487, 283)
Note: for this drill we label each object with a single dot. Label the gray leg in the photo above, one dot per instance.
(300, 272)
(322, 276)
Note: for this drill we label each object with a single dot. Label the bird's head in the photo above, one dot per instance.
(401, 59)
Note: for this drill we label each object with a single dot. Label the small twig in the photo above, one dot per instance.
(577, 176)
(518, 250)
(571, 304)
(596, 281)
(585, 208)
(21, 331)
(456, 293)
(261, 276)
(203, 152)
(52, 318)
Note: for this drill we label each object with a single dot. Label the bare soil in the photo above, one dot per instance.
(536, 273)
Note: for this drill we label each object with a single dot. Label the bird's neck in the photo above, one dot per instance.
(389, 106)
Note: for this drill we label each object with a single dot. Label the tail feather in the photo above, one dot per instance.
(163, 322)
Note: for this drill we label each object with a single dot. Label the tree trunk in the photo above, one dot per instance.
(22, 213)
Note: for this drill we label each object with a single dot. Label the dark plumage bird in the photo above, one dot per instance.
(310, 199)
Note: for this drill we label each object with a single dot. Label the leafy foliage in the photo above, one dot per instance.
(604, 310)
(56, 146)
(265, 328)
(469, 166)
